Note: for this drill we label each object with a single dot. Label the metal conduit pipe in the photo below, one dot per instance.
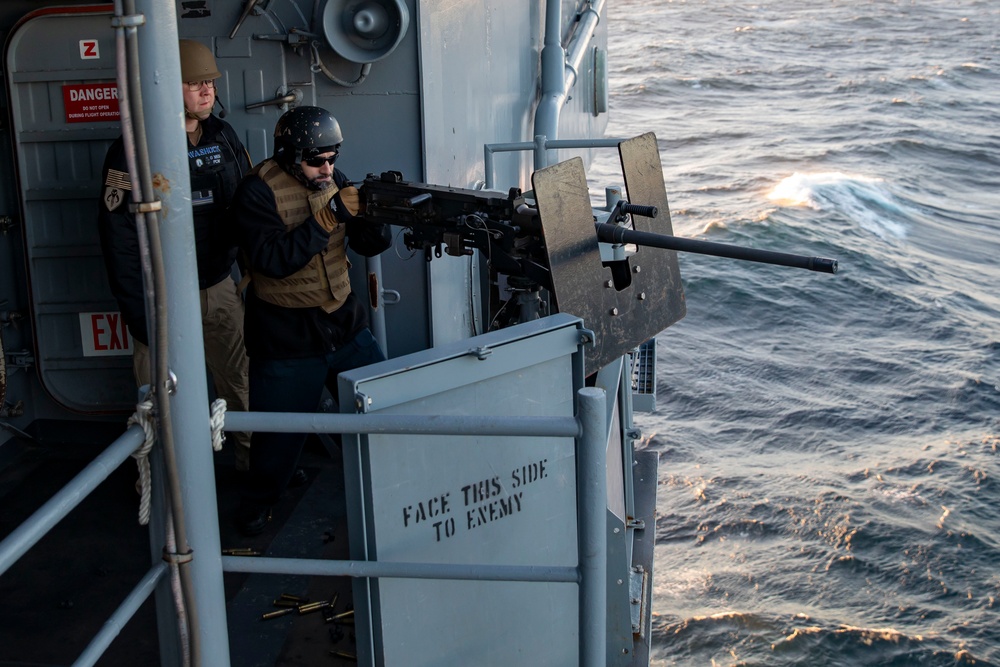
(589, 18)
(559, 71)
(130, 26)
(123, 26)
(159, 369)
(553, 74)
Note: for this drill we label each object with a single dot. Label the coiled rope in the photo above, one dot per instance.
(218, 422)
(143, 416)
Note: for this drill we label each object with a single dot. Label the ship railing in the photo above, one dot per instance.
(64, 501)
(588, 428)
(540, 147)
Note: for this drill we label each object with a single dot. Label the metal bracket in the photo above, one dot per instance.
(128, 21)
(281, 99)
(6, 224)
(10, 317)
(362, 401)
(20, 359)
(481, 352)
(638, 585)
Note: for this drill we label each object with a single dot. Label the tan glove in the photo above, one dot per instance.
(319, 203)
(351, 199)
(320, 199)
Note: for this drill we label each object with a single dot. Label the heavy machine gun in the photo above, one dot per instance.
(453, 221)
(507, 229)
(548, 240)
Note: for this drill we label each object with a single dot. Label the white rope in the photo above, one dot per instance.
(144, 417)
(218, 422)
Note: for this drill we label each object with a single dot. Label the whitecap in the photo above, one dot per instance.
(861, 199)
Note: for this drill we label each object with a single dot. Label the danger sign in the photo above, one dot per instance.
(87, 102)
(104, 335)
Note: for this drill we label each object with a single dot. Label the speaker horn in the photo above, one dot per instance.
(364, 31)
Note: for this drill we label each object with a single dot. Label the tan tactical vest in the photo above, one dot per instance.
(324, 281)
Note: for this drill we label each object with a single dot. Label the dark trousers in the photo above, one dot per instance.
(294, 385)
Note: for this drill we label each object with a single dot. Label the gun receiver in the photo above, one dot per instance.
(456, 221)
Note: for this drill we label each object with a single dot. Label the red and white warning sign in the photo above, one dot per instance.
(104, 335)
(87, 102)
(89, 49)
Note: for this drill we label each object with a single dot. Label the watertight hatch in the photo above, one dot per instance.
(63, 101)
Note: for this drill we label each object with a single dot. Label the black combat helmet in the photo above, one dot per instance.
(305, 132)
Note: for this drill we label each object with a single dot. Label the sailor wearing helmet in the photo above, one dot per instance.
(296, 215)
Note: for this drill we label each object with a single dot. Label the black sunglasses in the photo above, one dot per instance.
(320, 161)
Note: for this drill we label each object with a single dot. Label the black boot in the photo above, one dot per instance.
(252, 518)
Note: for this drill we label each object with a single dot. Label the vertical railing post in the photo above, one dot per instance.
(592, 503)
(163, 111)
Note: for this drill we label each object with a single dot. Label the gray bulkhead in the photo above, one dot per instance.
(462, 75)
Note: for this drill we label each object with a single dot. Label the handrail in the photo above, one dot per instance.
(66, 499)
(399, 570)
(588, 428)
(297, 422)
(113, 626)
(539, 146)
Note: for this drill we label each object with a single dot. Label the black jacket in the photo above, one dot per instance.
(277, 332)
(216, 164)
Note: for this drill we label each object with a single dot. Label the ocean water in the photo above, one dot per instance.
(829, 467)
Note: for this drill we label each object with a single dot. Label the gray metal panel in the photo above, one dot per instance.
(59, 164)
(654, 300)
(472, 96)
(660, 279)
(462, 500)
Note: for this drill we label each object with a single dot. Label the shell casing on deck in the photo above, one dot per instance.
(240, 551)
(313, 606)
(277, 613)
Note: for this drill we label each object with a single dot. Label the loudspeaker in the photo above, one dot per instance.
(364, 31)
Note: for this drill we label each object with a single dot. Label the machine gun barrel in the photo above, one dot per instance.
(615, 234)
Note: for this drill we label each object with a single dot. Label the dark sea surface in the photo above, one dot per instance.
(829, 467)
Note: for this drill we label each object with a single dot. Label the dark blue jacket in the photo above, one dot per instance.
(216, 164)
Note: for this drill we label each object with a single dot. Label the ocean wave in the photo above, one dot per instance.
(859, 198)
(750, 638)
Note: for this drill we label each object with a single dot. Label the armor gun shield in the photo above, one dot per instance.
(621, 316)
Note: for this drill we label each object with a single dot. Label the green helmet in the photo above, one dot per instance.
(197, 62)
(304, 132)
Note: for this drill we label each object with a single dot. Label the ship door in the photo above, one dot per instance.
(64, 110)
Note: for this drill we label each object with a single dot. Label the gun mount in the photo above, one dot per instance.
(546, 240)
